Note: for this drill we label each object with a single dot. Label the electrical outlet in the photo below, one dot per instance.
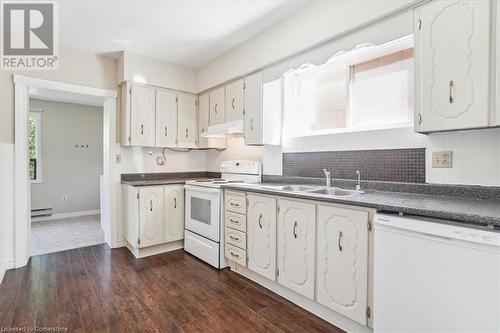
(160, 160)
(442, 159)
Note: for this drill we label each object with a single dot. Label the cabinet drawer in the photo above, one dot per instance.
(236, 221)
(236, 238)
(236, 255)
(236, 202)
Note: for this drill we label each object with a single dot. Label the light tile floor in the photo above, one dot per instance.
(65, 234)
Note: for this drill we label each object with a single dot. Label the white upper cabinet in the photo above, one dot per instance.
(261, 235)
(452, 51)
(296, 246)
(174, 212)
(342, 263)
(187, 121)
(253, 109)
(166, 118)
(262, 111)
(142, 116)
(151, 216)
(217, 101)
(203, 115)
(234, 101)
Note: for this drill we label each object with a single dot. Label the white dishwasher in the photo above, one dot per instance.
(435, 276)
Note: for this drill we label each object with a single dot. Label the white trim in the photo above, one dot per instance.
(107, 98)
(5, 266)
(66, 215)
(155, 249)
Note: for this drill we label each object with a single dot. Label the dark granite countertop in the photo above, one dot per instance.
(165, 178)
(153, 182)
(461, 209)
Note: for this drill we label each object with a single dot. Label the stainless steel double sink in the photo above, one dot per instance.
(329, 191)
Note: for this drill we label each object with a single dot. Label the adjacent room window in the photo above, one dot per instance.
(370, 87)
(34, 142)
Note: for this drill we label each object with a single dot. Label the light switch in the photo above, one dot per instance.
(442, 159)
(118, 158)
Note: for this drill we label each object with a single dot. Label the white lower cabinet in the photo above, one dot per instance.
(261, 235)
(153, 215)
(150, 216)
(174, 212)
(296, 246)
(342, 262)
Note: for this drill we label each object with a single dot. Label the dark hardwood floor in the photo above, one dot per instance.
(95, 289)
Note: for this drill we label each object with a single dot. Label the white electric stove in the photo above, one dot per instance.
(204, 227)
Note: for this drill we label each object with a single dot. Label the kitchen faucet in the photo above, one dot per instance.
(358, 176)
(328, 178)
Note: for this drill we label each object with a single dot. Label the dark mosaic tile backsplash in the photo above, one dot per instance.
(393, 165)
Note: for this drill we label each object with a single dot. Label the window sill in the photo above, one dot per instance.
(354, 130)
(37, 181)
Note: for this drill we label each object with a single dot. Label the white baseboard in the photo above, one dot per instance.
(155, 249)
(66, 215)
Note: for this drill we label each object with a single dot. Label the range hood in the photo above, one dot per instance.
(230, 129)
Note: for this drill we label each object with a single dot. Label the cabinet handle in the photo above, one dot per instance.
(295, 229)
(234, 238)
(232, 103)
(151, 205)
(260, 221)
(166, 131)
(202, 130)
(234, 204)
(216, 109)
(175, 202)
(187, 133)
(419, 118)
(234, 221)
(142, 129)
(341, 235)
(251, 124)
(451, 91)
(234, 254)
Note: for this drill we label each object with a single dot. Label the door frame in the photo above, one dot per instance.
(23, 87)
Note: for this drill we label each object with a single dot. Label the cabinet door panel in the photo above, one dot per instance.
(452, 65)
(151, 216)
(187, 114)
(142, 116)
(234, 101)
(166, 118)
(296, 246)
(217, 107)
(261, 235)
(203, 115)
(342, 272)
(174, 213)
(253, 109)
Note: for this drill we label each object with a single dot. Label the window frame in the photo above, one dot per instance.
(359, 54)
(37, 114)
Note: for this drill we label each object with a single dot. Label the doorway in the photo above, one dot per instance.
(65, 151)
(27, 88)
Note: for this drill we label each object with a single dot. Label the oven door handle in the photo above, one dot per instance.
(200, 189)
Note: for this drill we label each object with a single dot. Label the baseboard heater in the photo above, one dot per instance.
(41, 212)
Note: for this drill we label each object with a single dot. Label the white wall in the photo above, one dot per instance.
(139, 159)
(312, 25)
(141, 69)
(67, 170)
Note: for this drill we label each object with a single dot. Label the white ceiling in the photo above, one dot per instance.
(188, 33)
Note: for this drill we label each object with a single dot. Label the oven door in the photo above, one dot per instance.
(203, 211)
